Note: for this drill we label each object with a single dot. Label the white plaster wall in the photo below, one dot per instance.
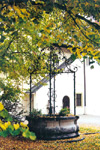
(79, 85)
(41, 99)
(93, 90)
(64, 87)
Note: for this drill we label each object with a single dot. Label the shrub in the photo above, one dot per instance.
(36, 113)
(15, 109)
(8, 128)
(64, 111)
(10, 97)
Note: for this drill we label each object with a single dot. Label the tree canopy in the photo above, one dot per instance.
(29, 26)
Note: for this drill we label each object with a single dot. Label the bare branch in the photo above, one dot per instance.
(97, 26)
(82, 31)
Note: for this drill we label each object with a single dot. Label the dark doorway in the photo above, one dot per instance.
(66, 102)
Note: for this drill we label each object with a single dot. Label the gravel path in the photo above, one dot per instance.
(89, 120)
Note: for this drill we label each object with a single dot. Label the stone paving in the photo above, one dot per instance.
(89, 120)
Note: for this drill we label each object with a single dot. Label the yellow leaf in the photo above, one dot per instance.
(39, 44)
(10, 14)
(3, 127)
(3, 10)
(47, 39)
(89, 49)
(86, 4)
(1, 106)
(97, 5)
(18, 12)
(96, 57)
(96, 52)
(79, 56)
(23, 125)
(7, 124)
(60, 43)
(84, 54)
(25, 12)
(16, 126)
(78, 53)
(48, 31)
(0, 121)
(33, 138)
(9, 7)
(58, 36)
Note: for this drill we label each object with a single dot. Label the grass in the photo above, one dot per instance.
(91, 142)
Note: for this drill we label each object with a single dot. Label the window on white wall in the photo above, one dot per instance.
(79, 99)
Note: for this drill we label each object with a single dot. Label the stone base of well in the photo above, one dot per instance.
(51, 128)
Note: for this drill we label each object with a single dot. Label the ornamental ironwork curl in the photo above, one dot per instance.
(53, 68)
(72, 69)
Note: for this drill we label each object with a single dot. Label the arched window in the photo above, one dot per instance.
(66, 102)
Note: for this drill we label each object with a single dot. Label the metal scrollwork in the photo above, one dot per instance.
(53, 68)
(72, 69)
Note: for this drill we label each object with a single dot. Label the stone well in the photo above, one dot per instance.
(51, 128)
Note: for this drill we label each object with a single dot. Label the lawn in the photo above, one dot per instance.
(90, 141)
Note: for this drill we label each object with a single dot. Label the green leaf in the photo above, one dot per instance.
(10, 129)
(9, 118)
(1, 133)
(32, 136)
(4, 114)
(15, 132)
(73, 57)
(26, 134)
(4, 133)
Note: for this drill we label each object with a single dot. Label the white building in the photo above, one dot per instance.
(87, 91)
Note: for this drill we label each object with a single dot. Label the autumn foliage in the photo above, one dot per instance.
(90, 141)
(27, 27)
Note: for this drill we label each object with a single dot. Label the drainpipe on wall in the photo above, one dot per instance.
(74, 95)
(30, 91)
(84, 70)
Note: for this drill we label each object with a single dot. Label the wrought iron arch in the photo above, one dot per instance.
(54, 69)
